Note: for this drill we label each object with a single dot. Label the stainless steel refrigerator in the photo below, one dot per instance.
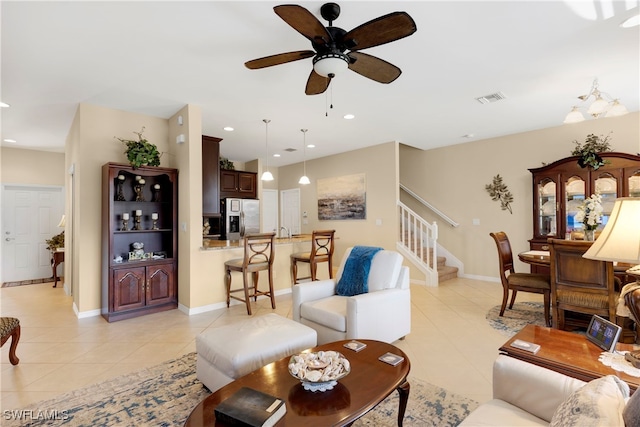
(240, 217)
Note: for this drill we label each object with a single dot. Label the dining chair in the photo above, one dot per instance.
(321, 251)
(525, 282)
(258, 256)
(579, 284)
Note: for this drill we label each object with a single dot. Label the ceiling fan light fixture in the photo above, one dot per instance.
(330, 64)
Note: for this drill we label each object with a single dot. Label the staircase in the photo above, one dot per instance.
(418, 242)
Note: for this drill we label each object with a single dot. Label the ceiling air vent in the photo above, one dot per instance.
(290, 150)
(494, 97)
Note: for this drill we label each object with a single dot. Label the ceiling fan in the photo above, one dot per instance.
(330, 44)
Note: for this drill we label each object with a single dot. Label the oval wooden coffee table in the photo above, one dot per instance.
(369, 383)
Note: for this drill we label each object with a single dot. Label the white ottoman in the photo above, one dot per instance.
(231, 351)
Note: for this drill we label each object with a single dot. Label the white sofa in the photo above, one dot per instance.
(529, 395)
(383, 313)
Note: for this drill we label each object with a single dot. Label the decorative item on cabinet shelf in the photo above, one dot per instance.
(125, 221)
(136, 221)
(588, 151)
(140, 152)
(499, 192)
(154, 218)
(138, 188)
(156, 193)
(119, 193)
(226, 164)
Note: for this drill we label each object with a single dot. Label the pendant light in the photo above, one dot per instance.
(266, 176)
(304, 179)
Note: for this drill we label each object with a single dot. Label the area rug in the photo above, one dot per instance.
(521, 315)
(164, 395)
(27, 282)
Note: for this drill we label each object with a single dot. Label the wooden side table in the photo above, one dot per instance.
(58, 257)
(566, 352)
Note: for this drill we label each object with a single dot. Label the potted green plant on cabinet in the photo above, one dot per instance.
(141, 152)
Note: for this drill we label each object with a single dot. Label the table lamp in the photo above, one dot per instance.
(620, 242)
(620, 239)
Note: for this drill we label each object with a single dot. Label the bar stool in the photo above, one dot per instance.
(321, 251)
(258, 256)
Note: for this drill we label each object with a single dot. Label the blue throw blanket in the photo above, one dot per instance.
(355, 275)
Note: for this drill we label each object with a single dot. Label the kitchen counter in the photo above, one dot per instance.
(214, 244)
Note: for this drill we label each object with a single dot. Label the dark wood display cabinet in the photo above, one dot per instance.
(139, 240)
(561, 187)
(239, 184)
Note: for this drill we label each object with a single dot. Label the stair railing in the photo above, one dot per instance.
(430, 206)
(418, 240)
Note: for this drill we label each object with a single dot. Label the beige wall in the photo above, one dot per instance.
(207, 289)
(379, 164)
(32, 167)
(453, 180)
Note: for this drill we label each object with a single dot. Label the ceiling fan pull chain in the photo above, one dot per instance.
(331, 106)
(326, 101)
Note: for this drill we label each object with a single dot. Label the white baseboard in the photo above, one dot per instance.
(85, 314)
(212, 307)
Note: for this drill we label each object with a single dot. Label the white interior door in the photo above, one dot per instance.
(30, 215)
(269, 211)
(290, 212)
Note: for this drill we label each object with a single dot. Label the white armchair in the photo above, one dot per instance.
(383, 313)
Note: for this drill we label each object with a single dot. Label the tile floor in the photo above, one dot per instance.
(450, 345)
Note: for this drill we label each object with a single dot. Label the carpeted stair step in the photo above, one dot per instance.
(447, 272)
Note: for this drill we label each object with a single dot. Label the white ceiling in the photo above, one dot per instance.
(155, 57)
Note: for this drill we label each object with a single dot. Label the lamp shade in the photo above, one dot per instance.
(617, 110)
(620, 239)
(330, 64)
(304, 180)
(574, 116)
(267, 176)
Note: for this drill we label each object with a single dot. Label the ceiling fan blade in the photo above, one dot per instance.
(278, 59)
(374, 68)
(303, 22)
(384, 29)
(316, 84)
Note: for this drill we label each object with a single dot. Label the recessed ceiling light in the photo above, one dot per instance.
(228, 128)
(276, 155)
(349, 116)
(11, 141)
(3, 105)
(634, 21)
(469, 135)
(311, 146)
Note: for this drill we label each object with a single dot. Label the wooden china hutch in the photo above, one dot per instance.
(139, 240)
(560, 187)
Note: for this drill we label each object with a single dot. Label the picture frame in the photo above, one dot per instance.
(603, 333)
(342, 197)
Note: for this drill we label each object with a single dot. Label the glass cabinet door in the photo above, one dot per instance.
(547, 223)
(607, 186)
(634, 185)
(574, 197)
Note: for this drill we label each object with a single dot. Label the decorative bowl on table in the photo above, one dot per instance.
(319, 371)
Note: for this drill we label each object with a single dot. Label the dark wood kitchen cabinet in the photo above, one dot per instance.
(238, 184)
(135, 283)
(210, 176)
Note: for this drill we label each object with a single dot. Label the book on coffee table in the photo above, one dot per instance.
(250, 407)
